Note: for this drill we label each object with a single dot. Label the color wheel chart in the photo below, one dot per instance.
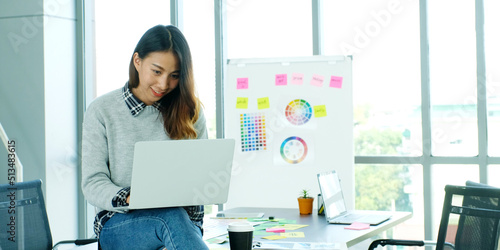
(298, 112)
(253, 132)
(293, 149)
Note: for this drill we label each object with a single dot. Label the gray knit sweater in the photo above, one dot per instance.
(110, 132)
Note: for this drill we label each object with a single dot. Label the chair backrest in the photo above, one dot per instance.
(474, 221)
(23, 217)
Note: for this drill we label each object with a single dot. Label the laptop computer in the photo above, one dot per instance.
(334, 203)
(181, 173)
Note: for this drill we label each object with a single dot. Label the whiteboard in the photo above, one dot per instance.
(291, 118)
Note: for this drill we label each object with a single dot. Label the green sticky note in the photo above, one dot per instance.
(320, 111)
(287, 221)
(257, 228)
(256, 219)
(242, 103)
(263, 103)
(262, 233)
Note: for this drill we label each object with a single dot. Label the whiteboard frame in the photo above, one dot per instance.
(246, 176)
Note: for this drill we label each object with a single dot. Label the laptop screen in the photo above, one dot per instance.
(331, 191)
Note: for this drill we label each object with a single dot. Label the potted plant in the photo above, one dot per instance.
(305, 202)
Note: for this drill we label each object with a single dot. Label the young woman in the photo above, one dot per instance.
(157, 103)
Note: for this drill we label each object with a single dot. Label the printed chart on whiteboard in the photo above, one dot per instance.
(253, 132)
(298, 112)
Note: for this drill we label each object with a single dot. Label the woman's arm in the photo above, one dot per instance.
(97, 186)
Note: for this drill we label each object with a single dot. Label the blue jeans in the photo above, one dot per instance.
(162, 228)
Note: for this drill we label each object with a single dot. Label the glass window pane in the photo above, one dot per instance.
(452, 41)
(383, 37)
(392, 188)
(261, 28)
(493, 171)
(118, 27)
(442, 175)
(492, 49)
(199, 31)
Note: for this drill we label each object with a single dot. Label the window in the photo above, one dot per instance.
(383, 38)
(492, 51)
(452, 42)
(392, 187)
(199, 23)
(118, 27)
(263, 29)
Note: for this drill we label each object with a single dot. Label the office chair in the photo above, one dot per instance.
(23, 218)
(474, 223)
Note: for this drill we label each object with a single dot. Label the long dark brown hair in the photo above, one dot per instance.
(180, 107)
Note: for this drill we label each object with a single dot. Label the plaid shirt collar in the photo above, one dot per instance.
(133, 103)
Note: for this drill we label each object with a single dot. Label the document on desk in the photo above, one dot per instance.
(298, 245)
(239, 215)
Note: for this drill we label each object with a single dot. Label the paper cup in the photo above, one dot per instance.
(240, 235)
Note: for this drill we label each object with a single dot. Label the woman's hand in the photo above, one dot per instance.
(128, 199)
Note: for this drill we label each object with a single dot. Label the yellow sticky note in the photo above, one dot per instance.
(293, 226)
(320, 111)
(274, 237)
(263, 103)
(242, 103)
(293, 235)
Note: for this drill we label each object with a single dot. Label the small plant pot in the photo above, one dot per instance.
(305, 205)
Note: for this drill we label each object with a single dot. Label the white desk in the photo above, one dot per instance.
(319, 230)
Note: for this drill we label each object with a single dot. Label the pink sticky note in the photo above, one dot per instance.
(317, 80)
(281, 79)
(358, 226)
(336, 82)
(297, 78)
(275, 230)
(242, 83)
